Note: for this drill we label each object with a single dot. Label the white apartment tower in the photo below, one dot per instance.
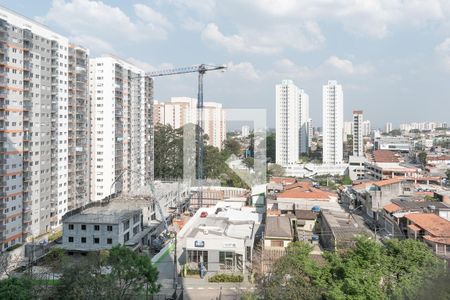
(39, 132)
(304, 121)
(121, 126)
(388, 127)
(180, 111)
(292, 122)
(367, 128)
(333, 114)
(358, 141)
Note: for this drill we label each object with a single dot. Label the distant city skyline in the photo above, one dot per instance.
(371, 48)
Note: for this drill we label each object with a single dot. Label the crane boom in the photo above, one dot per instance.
(192, 69)
(201, 70)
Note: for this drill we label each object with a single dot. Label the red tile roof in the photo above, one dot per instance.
(385, 156)
(414, 227)
(304, 190)
(390, 208)
(387, 181)
(433, 224)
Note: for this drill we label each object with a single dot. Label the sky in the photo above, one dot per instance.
(392, 57)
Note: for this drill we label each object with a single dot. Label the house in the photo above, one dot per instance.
(393, 215)
(385, 164)
(371, 197)
(279, 232)
(220, 237)
(431, 229)
(338, 230)
(303, 195)
(306, 223)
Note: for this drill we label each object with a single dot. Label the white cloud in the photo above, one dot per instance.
(234, 43)
(347, 67)
(443, 51)
(270, 40)
(149, 67)
(244, 69)
(107, 24)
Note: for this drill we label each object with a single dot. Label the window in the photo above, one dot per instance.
(96, 240)
(276, 243)
(226, 260)
(198, 256)
(126, 237)
(83, 227)
(136, 219)
(109, 228)
(109, 241)
(96, 227)
(71, 226)
(136, 229)
(126, 224)
(83, 240)
(70, 239)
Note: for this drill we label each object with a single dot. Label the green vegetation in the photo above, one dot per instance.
(396, 270)
(55, 236)
(169, 157)
(422, 157)
(270, 147)
(16, 288)
(225, 278)
(275, 170)
(118, 274)
(14, 247)
(232, 145)
(447, 173)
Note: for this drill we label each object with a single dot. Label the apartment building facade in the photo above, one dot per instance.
(333, 114)
(358, 142)
(180, 111)
(34, 128)
(121, 131)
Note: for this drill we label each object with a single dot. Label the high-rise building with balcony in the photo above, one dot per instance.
(180, 111)
(78, 128)
(292, 122)
(121, 127)
(358, 141)
(35, 126)
(332, 122)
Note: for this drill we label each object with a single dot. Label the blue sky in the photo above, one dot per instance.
(391, 56)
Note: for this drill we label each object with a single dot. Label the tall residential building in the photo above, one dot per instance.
(303, 121)
(358, 141)
(36, 128)
(333, 115)
(348, 129)
(121, 126)
(367, 128)
(180, 111)
(78, 129)
(287, 123)
(388, 127)
(245, 131)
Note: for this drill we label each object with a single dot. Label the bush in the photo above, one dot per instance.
(226, 278)
(13, 247)
(55, 236)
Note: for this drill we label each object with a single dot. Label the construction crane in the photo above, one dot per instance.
(201, 70)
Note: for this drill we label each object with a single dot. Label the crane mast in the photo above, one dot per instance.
(201, 70)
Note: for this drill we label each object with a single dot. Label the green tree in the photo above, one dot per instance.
(447, 173)
(131, 272)
(275, 170)
(232, 146)
(249, 162)
(292, 275)
(168, 152)
(270, 147)
(422, 157)
(20, 288)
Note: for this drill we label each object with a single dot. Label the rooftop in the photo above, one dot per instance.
(304, 190)
(342, 224)
(303, 214)
(433, 224)
(278, 227)
(385, 156)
